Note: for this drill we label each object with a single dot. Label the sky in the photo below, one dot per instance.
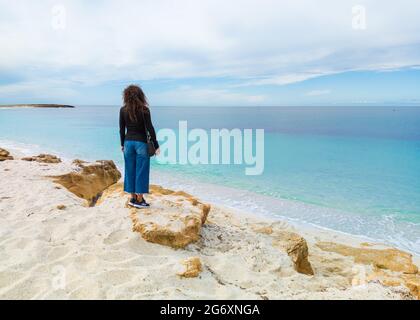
(211, 52)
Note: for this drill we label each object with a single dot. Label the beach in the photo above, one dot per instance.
(57, 245)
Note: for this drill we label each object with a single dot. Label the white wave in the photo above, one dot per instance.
(376, 228)
(29, 149)
(20, 147)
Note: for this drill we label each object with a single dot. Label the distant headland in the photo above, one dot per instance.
(36, 106)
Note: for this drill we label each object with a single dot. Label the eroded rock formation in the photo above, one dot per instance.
(174, 220)
(297, 249)
(5, 155)
(192, 268)
(43, 158)
(390, 259)
(391, 267)
(89, 180)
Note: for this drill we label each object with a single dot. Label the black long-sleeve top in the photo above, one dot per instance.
(136, 129)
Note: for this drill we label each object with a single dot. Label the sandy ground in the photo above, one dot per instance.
(79, 252)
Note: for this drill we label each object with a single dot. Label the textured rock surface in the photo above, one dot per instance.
(192, 267)
(43, 158)
(392, 279)
(174, 221)
(391, 267)
(391, 259)
(78, 162)
(89, 180)
(412, 282)
(263, 229)
(297, 249)
(5, 155)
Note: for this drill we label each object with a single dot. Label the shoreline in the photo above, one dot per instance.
(223, 195)
(305, 228)
(204, 191)
(105, 259)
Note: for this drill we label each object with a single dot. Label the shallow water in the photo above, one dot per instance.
(352, 169)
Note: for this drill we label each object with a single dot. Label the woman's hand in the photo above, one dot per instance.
(157, 151)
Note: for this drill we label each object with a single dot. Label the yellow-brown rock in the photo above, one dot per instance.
(158, 190)
(263, 229)
(90, 180)
(412, 282)
(391, 267)
(390, 259)
(43, 158)
(192, 267)
(386, 278)
(5, 155)
(297, 249)
(79, 162)
(168, 221)
(392, 279)
(114, 191)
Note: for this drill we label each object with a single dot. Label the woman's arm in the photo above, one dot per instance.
(122, 127)
(151, 129)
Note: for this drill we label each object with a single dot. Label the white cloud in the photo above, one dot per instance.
(37, 89)
(258, 42)
(189, 96)
(315, 93)
(280, 80)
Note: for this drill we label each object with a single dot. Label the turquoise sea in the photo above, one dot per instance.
(351, 169)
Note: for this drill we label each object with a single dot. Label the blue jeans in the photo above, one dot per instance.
(137, 167)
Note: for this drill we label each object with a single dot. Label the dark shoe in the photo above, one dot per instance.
(132, 202)
(141, 204)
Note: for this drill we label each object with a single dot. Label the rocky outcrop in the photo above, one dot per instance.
(297, 249)
(391, 267)
(263, 229)
(5, 155)
(78, 162)
(412, 282)
(43, 158)
(89, 180)
(390, 279)
(174, 220)
(390, 259)
(192, 268)
(37, 106)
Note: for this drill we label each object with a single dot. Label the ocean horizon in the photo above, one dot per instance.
(351, 169)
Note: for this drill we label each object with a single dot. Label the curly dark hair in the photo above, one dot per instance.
(134, 101)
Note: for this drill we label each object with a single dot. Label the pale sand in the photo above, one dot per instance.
(92, 253)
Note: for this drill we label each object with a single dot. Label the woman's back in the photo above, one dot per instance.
(136, 126)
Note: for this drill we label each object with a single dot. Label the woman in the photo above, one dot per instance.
(135, 118)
